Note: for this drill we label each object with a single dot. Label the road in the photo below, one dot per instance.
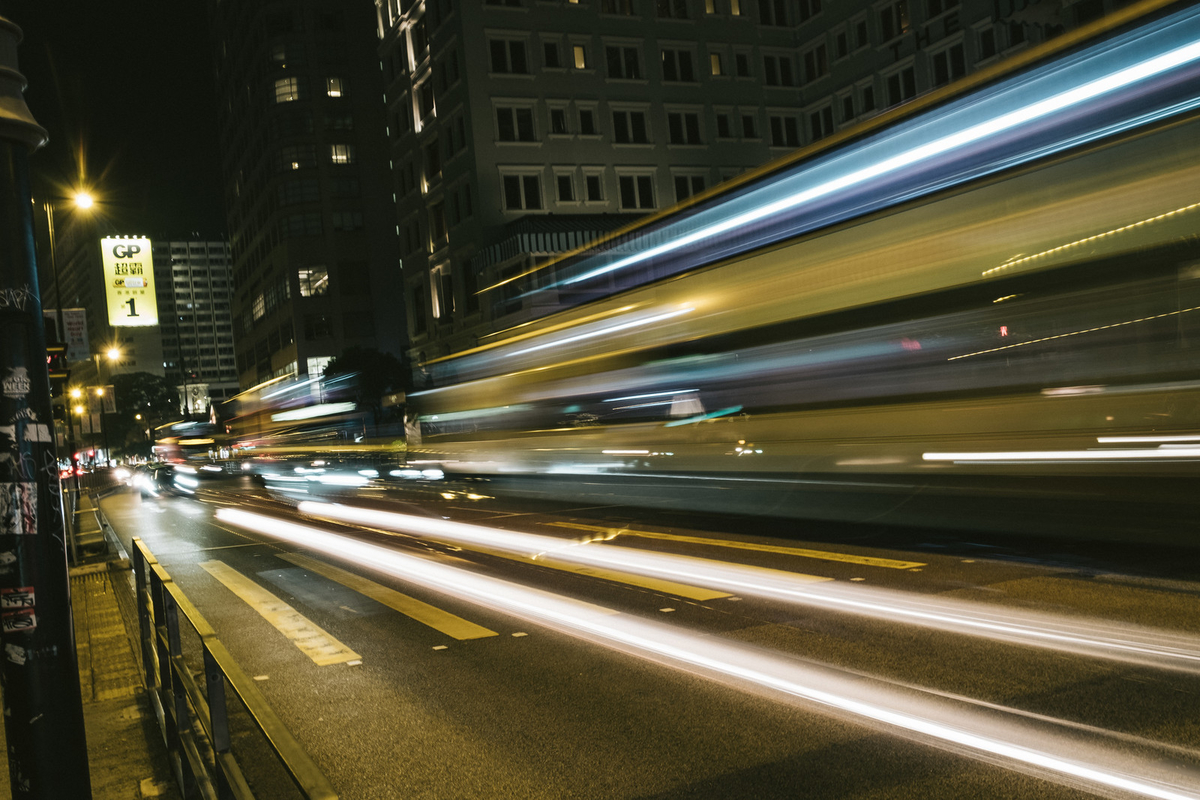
(431, 649)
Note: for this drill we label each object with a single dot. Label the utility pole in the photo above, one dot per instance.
(43, 710)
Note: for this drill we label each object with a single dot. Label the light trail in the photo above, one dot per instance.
(1045, 750)
(1113, 642)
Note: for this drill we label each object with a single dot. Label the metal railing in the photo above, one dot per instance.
(201, 754)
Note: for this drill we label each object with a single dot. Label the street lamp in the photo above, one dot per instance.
(84, 202)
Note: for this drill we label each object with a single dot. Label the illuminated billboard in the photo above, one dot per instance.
(129, 282)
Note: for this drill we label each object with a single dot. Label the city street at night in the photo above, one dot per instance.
(987, 671)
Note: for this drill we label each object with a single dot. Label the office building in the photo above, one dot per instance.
(521, 129)
(305, 165)
(192, 279)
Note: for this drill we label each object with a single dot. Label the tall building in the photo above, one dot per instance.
(522, 129)
(305, 163)
(192, 280)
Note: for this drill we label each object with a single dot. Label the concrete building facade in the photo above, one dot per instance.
(520, 129)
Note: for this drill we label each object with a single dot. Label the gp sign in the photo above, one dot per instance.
(129, 282)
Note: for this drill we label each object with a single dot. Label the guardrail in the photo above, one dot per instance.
(201, 756)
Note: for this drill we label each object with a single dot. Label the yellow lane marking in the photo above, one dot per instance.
(443, 621)
(825, 555)
(315, 643)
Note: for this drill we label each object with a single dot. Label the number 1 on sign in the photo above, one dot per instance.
(132, 307)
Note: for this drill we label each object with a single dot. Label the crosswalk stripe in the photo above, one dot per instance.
(314, 642)
(443, 621)
(825, 555)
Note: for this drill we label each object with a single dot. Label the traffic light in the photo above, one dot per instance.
(56, 365)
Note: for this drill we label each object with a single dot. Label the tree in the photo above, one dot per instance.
(153, 397)
(378, 374)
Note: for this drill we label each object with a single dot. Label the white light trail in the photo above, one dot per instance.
(634, 323)
(1016, 743)
(1054, 104)
(1120, 643)
(1024, 456)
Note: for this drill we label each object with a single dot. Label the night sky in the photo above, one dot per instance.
(131, 83)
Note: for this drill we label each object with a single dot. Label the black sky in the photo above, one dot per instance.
(129, 82)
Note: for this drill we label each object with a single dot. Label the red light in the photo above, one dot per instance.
(91, 453)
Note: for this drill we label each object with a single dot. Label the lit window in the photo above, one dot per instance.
(333, 87)
(580, 56)
(341, 153)
(317, 364)
(715, 60)
(314, 281)
(260, 307)
(287, 90)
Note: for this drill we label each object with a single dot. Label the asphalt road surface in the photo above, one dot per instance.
(438, 642)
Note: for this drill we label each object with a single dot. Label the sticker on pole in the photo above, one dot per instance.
(18, 508)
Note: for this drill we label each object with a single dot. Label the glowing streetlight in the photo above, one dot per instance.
(137, 416)
(113, 354)
(79, 410)
(84, 200)
(76, 393)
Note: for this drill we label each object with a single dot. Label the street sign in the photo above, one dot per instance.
(129, 282)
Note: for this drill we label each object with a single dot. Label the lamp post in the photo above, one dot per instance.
(83, 201)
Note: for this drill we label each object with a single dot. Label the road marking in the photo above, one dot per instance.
(825, 555)
(315, 643)
(616, 576)
(436, 618)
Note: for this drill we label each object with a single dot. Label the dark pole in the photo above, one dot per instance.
(43, 710)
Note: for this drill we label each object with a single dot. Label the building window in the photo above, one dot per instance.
(259, 308)
(438, 235)
(809, 9)
(637, 191)
(938, 6)
(417, 300)
(948, 65)
(594, 185)
(341, 153)
(558, 121)
(741, 65)
(333, 87)
(508, 57)
(441, 282)
(724, 126)
(425, 104)
(867, 98)
(847, 105)
(677, 66)
(784, 132)
(688, 185)
(287, 90)
(629, 127)
(894, 20)
(433, 161)
(317, 326)
(672, 9)
(901, 86)
(314, 281)
(522, 192)
(772, 12)
(749, 127)
(623, 62)
(579, 53)
(550, 57)
(346, 220)
(987, 42)
(683, 128)
(715, 64)
(565, 183)
(515, 125)
(777, 71)
(587, 122)
(623, 8)
(816, 64)
(820, 123)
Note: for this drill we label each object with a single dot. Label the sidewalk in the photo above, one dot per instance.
(126, 755)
